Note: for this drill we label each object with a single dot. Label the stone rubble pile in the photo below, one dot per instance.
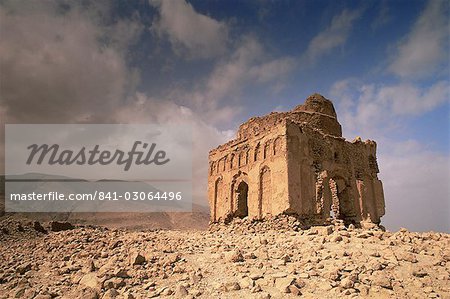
(281, 222)
(246, 225)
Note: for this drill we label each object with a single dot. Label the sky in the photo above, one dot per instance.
(214, 64)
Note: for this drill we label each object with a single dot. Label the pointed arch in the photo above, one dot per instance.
(277, 146)
(265, 192)
(257, 153)
(267, 149)
(218, 196)
(239, 194)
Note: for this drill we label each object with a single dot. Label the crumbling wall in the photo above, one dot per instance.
(260, 162)
(296, 162)
(330, 177)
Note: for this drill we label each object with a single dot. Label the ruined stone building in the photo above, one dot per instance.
(296, 163)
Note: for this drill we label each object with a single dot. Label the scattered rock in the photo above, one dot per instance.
(23, 268)
(256, 289)
(246, 283)
(286, 258)
(294, 290)
(119, 272)
(91, 280)
(181, 291)
(72, 264)
(136, 258)
(195, 277)
(236, 256)
(114, 283)
(382, 280)
(264, 295)
(336, 238)
(89, 266)
(256, 275)
(110, 294)
(303, 275)
(56, 226)
(347, 283)
(232, 286)
(325, 230)
(84, 292)
(420, 273)
(282, 284)
(39, 228)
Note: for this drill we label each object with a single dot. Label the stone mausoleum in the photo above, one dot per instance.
(296, 163)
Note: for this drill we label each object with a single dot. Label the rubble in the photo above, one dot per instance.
(277, 258)
(56, 226)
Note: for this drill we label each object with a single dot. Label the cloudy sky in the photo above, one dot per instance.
(213, 64)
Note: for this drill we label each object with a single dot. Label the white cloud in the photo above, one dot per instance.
(272, 70)
(335, 35)
(217, 97)
(426, 46)
(141, 108)
(191, 33)
(416, 187)
(54, 69)
(65, 65)
(60, 71)
(408, 99)
(363, 105)
(383, 17)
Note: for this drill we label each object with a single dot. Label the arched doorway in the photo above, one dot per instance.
(242, 200)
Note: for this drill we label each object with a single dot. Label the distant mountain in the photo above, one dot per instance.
(197, 219)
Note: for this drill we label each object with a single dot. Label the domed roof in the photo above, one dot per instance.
(317, 103)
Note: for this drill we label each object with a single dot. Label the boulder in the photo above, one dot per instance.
(56, 226)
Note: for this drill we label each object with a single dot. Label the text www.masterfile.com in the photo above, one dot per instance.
(97, 195)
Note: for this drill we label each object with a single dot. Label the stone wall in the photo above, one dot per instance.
(296, 163)
(255, 167)
(331, 176)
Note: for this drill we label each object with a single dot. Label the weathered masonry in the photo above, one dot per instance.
(297, 163)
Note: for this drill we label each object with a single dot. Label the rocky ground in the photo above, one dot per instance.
(274, 259)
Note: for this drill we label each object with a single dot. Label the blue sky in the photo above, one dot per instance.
(214, 64)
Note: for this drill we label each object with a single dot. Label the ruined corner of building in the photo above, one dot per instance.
(296, 163)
